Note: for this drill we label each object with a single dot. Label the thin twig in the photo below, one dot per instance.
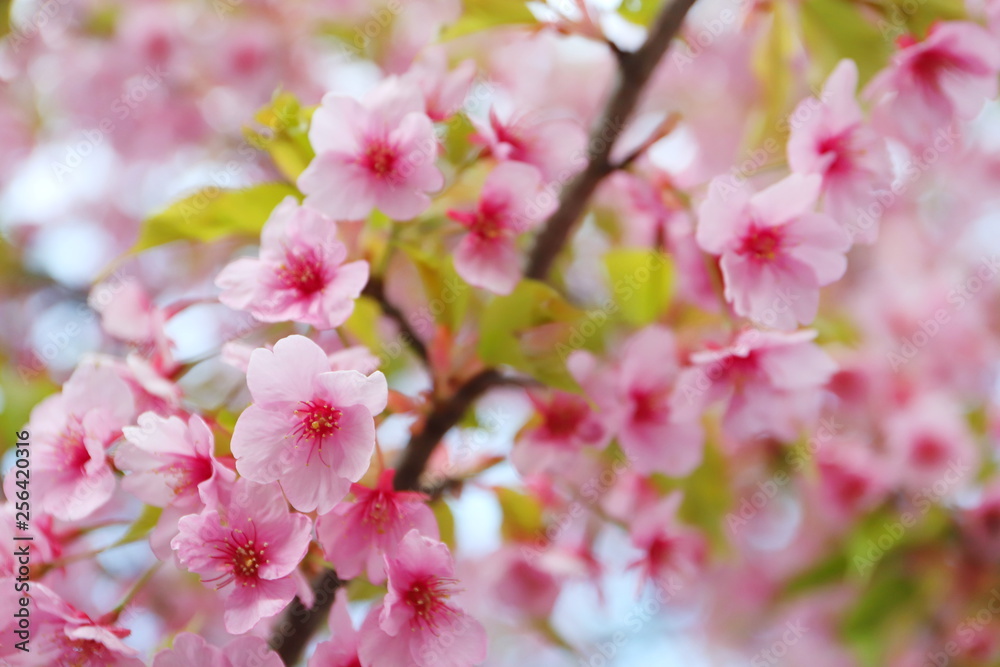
(376, 290)
(633, 73)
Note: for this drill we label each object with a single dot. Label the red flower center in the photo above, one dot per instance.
(317, 420)
(762, 243)
(427, 598)
(71, 447)
(303, 272)
(928, 452)
(380, 159)
(241, 557)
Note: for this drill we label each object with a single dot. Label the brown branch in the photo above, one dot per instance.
(442, 418)
(293, 631)
(376, 290)
(633, 73)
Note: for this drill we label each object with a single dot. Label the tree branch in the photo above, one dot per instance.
(298, 624)
(634, 71)
(376, 290)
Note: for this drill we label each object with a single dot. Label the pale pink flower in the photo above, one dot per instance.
(770, 381)
(948, 76)
(833, 141)
(249, 551)
(190, 650)
(636, 395)
(930, 447)
(774, 252)
(64, 635)
(379, 154)
(444, 91)
(356, 535)
(418, 624)
(172, 463)
(554, 145)
(566, 424)
(300, 275)
(669, 548)
(852, 478)
(310, 428)
(71, 430)
(341, 650)
(512, 202)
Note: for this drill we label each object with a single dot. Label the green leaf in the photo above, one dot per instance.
(642, 283)
(827, 572)
(483, 14)
(707, 497)
(447, 294)
(836, 29)
(212, 214)
(640, 11)
(773, 67)
(522, 515)
(21, 388)
(285, 134)
(903, 16)
(455, 138)
(865, 625)
(141, 527)
(531, 330)
(4, 17)
(445, 522)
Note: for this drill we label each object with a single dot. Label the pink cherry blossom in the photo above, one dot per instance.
(300, 275)
(852, 477)
(309, 428)
(444, 91)
(567, 423)
(172, 463)
(833, 141)
(248, 550)
(418, 624)
(554, 145)
(190, 650)
(669, 549)
(379, 154)
(341, 650)
(72, 430)
(64, 635)
(512, 202)
(637, 394)
(769, 380)
(356, 535)
(774, 252)
(930, 447)
(946, 77)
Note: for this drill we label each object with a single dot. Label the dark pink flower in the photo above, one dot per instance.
(300, 275)
(248, 550)
(418, 624)
(357, 535)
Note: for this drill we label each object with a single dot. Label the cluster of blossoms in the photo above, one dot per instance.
(758, 381)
